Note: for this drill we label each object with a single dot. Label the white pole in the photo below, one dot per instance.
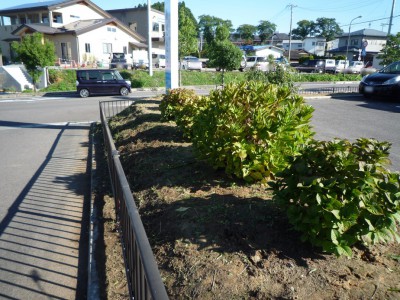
(171, 45)
(150, 26)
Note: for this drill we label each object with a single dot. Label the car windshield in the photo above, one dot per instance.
(118, 55)
(191, 58)
(118, 75)
(393, 68)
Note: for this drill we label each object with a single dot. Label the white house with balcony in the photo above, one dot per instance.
(80, 30)
(315, 45)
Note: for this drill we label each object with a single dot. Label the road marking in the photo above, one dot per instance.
(33, 99)
(40, 125)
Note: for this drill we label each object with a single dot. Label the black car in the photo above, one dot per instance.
(99, 81)
(385, 82)
(312, 66)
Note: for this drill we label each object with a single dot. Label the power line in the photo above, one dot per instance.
(370, 21)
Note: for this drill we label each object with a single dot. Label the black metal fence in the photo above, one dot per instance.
(330, 90)
(144, 279)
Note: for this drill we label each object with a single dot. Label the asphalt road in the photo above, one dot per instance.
(352, 117)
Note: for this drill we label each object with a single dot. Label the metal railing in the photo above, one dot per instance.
(143, 276)
(330, 90)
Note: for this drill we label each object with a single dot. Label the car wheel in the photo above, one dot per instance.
(124, 91)
(84, 93)
(157, 66)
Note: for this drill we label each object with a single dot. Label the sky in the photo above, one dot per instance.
(374, 13)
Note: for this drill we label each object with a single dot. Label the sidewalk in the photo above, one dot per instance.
(44, 236)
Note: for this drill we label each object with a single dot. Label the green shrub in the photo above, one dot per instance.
(280, 76)
(339, 193)
(173, 102)
(182, 105)
(250, 129)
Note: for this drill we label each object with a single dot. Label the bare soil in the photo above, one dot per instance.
(218, 238)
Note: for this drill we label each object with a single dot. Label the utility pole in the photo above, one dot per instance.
(150, 27)
(391, 17)
(290, 32)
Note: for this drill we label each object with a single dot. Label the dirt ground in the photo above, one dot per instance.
(217, 238)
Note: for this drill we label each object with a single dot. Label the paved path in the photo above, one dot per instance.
(43, 235)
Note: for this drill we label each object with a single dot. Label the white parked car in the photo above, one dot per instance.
(257, 62)
(191, 63)
(354, 68)
(341, 65)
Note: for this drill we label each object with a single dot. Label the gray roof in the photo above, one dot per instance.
(77, 27)
(367, 32)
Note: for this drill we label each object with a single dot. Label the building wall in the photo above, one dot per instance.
(375, 44)
(74, 13)
(120, 42)
(314, 46)
(136, 19)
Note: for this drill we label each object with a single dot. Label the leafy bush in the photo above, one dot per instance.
(182, 105)
(173, 102)
(250, 129)
(280, 76)
(338, 193)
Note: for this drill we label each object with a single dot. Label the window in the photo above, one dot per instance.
(57, 17)
(313, 43)
(156, 27)
(354, 42)
(107, 48)
(125, 50)
(87, 47)
(66, 51)
(33, 18)
(133, 26)
(111, 29)
(45, 19)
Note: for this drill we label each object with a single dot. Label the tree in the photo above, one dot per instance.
(160, 6)
(391, 51)
(187, 31)
(224, 55)
(327, 28)
(265, 29)
(246, 32)
(208, 25)
(35, 52)
(304, 28)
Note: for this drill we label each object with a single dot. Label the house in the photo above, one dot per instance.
(294, 44)
(264, 50)
(361, 44)
(81, 31)
(315, 45)
(278, 38)
(137, 20)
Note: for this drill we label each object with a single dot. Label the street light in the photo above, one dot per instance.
(348, 37)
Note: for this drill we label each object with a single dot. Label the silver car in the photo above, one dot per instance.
(191, 63)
